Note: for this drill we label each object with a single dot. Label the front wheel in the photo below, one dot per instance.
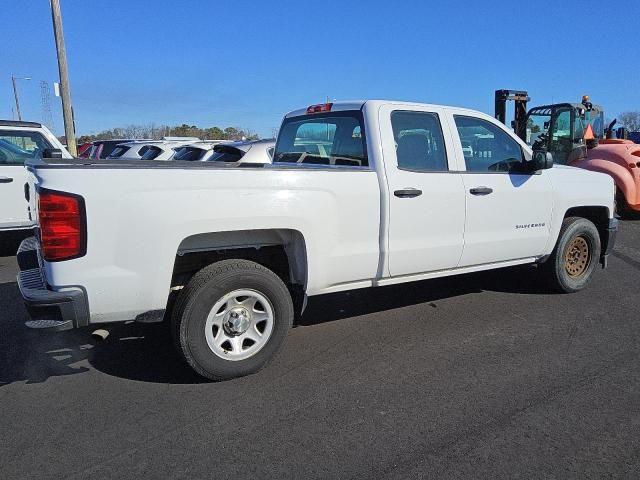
(575, 255)
(231, 318)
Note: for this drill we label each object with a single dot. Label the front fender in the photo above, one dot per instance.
(622, 177)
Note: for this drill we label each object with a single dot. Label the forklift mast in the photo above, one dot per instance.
(520, 99)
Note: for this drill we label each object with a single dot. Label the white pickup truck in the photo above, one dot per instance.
(360, 194)
(19, 142)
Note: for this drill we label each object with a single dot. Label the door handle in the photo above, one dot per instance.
(6, 179)
(481, 191)
(408, 193)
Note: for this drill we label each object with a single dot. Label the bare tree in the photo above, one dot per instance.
(156, 132)
(631, 120)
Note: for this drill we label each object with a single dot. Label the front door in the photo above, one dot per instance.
(425, 193)
(508, 213)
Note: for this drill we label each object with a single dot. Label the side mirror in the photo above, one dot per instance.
(52, 153)
(541, 160)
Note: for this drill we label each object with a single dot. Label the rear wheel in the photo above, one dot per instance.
(575, 256)
(231, 318)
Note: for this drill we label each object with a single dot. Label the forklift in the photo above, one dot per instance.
(575, 135)
(567, 130)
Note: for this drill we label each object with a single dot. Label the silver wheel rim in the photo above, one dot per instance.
(239, 325)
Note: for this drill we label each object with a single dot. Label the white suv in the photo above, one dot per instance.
(150, 149)
(198, 151)
(256, 151)
(20, 141)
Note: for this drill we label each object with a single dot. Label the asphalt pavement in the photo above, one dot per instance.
(481, 376)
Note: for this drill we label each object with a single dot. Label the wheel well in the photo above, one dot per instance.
(282, 251)
(598, 215)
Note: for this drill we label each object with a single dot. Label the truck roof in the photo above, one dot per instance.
(358, 104)
(19, 123)
(546, 109)
(335, 107)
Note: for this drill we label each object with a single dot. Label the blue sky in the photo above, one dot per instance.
(245, 63)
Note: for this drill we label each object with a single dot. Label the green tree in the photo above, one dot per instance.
(532, 126)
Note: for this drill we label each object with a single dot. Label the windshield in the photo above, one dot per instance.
(151, 153)
(119, 151)
(189, 154)
(537, 125)
(333, 138)
(224, 153)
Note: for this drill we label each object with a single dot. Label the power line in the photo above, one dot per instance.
(45, 98)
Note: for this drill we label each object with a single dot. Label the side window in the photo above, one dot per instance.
(419, 141)
(486, 147)
(16, 147)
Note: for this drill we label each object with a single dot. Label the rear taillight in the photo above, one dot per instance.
(323, 107)
(62, 225)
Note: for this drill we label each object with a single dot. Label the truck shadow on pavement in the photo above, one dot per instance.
(327, 308)
(132, 350)
(146, 353)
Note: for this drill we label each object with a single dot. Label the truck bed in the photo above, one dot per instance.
(142, 215)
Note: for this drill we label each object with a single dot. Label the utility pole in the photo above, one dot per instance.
(15, 93)
(67, 111)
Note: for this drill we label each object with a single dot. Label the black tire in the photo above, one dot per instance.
(566, 269)
(199, 296)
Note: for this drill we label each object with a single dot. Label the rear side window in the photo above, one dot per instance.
(486, 147)
(334, 138)
(225, 153)
(16, 147)
(419, 141)
(189, 154)
(151, 153)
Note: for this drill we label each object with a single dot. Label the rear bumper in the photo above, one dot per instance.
(609, 241)
(47, 308)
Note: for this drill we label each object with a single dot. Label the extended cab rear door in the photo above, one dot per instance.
(508, 212)
(16, 146)
(425, 190)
